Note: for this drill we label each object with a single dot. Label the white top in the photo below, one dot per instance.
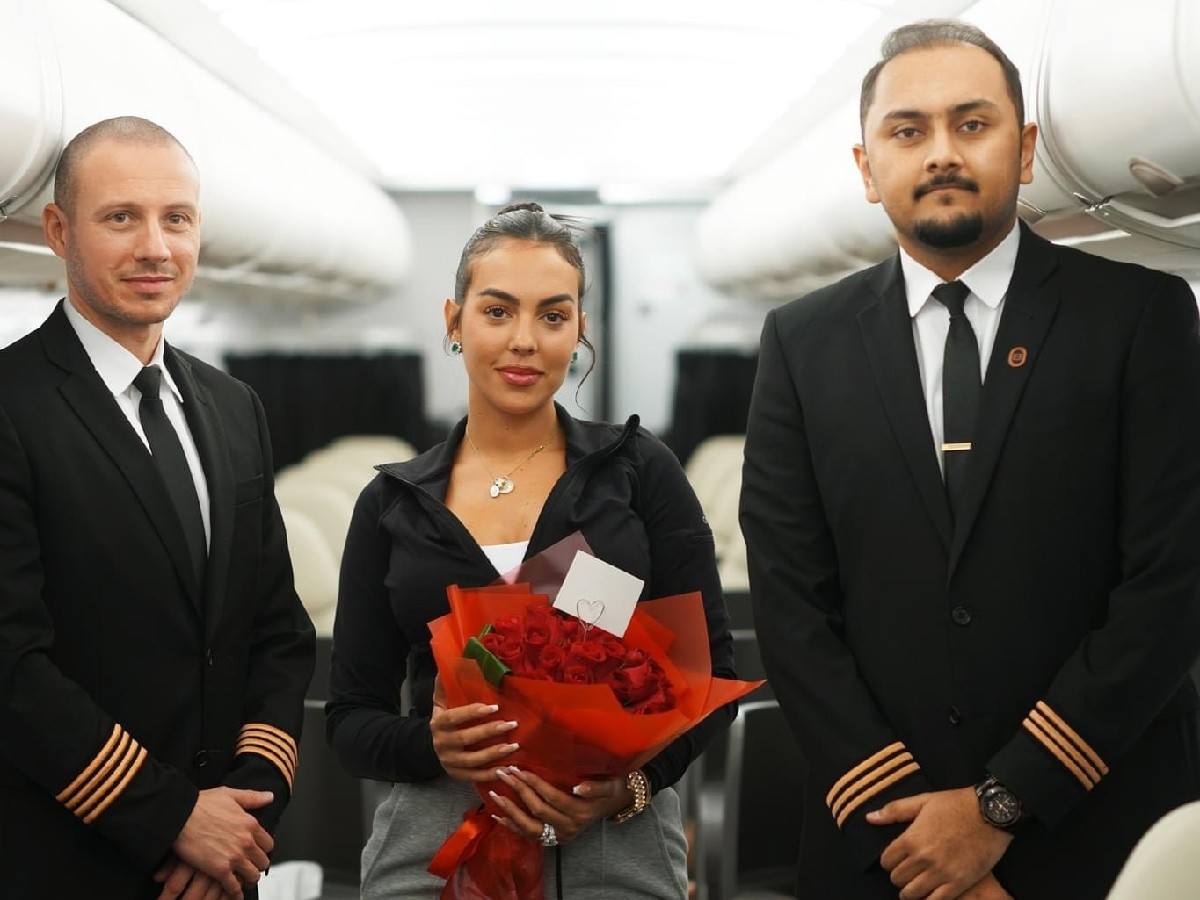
(988, 280)
(117, 368)
(506, 558)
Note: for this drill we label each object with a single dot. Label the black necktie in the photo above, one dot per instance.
(172, 464)
(960, 390)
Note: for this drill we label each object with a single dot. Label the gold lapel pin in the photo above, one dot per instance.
(1017, 357)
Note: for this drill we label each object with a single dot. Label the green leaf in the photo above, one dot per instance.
(493, 670)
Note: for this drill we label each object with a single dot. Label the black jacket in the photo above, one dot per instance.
(623, 489)
(1046, 636)
(125, 685)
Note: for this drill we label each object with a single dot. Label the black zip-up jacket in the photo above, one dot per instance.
(623, 489)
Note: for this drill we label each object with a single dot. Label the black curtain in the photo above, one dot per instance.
(712, 395)
(311, 399)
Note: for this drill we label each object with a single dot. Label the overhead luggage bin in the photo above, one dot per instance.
(1115, 90)
(283, 217)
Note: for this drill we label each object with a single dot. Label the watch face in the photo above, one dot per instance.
(1001, 807)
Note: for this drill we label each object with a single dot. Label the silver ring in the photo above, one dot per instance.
(549, 836)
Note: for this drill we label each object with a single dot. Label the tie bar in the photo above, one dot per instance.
(950, 448)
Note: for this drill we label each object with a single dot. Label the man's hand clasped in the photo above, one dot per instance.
(221, 847)
(947, 851)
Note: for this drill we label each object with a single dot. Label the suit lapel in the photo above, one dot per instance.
(94, 405)
(209, 435)
(887, 333)
(1029, 308)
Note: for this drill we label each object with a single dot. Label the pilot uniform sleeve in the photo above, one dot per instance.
(51, 730)
(1124, 672)
(854, 756)
(281, 660)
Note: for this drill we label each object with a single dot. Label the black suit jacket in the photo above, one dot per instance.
(125, 685)
(1046, 636)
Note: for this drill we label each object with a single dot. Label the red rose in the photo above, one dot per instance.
(568, 628)
(509, 626)
(659, 702)
(492, 642)
(539, 633)
(634, 684)
(634, 657)
(576, 674)
(550, 660)
(511, 653)
(588, 653)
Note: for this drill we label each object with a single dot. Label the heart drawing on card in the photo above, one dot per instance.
(589, 611)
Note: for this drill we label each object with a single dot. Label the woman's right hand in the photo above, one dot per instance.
(456, 732)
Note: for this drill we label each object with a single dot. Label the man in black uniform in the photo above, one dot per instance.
(972, 507)
(153, 653)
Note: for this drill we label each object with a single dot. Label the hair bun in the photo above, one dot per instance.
(517, 207)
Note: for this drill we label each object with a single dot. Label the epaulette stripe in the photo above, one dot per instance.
(1067, 747)
(65, 794)
(1073, 735)
(1037, 732)
(287, 747)
(270, 754)
(868, 763)
(84, 795)
(119, 789)
(867, 780)
(877, 788)
(105, 790)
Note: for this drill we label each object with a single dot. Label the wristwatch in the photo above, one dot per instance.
(998, 805)
(639, 785)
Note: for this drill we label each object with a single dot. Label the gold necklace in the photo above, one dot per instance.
(501, 484)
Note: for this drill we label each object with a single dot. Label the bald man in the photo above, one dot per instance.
(153, 653)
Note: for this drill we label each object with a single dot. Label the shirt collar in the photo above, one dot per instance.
(116, 366)
(988, 279)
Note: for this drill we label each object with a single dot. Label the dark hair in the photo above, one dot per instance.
(122, 128)
(523, 222)
(939, 33)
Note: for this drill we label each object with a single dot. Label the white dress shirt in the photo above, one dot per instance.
(117, 368)
(988, 281)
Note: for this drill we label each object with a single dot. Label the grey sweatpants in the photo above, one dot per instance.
(645, 857)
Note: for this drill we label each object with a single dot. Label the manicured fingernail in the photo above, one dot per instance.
(493, 708)
(511, 747)
(499, 819)
(502, 774)
(514, 769)
(493, 795)
(506, 726)
(577, 790)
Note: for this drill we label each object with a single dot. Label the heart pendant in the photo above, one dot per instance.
(504, 485)
(589, 611)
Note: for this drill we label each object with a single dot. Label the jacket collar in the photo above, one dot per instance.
(583, 439)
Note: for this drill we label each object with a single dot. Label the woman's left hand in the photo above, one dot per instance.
(543, 803)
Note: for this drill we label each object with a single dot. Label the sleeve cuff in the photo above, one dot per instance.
(273, 744)
(106, 776)
(1048, 765)
(884, 776)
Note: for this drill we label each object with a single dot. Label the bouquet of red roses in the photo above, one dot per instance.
(590, 705)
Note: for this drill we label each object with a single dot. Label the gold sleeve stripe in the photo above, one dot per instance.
(288, 748)
(101, 793)
(1049, 744)
(88, 790)
(876, 788)
(254, 743)
(277, 733)
(119, 789)
(1065, 745)
(65, 794)
(874, 775)
(271, 754)
(868, 763)
(1073, 736)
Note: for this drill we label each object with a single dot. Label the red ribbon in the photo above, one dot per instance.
(461, 845)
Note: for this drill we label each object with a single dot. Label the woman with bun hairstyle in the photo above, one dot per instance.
(514, 477)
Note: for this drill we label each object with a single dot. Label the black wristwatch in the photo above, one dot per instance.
(998, 805)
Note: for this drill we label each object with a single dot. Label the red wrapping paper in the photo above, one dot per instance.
(567, 733)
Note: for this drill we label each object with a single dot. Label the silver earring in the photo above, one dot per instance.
(456, 348)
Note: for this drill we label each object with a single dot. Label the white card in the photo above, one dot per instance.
(599, 594)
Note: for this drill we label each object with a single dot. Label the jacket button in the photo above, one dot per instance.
(208, 656)
(200, 760)
(961, 615)
(954, 715)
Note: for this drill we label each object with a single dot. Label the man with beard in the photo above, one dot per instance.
(153, 653)
(972, 506)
